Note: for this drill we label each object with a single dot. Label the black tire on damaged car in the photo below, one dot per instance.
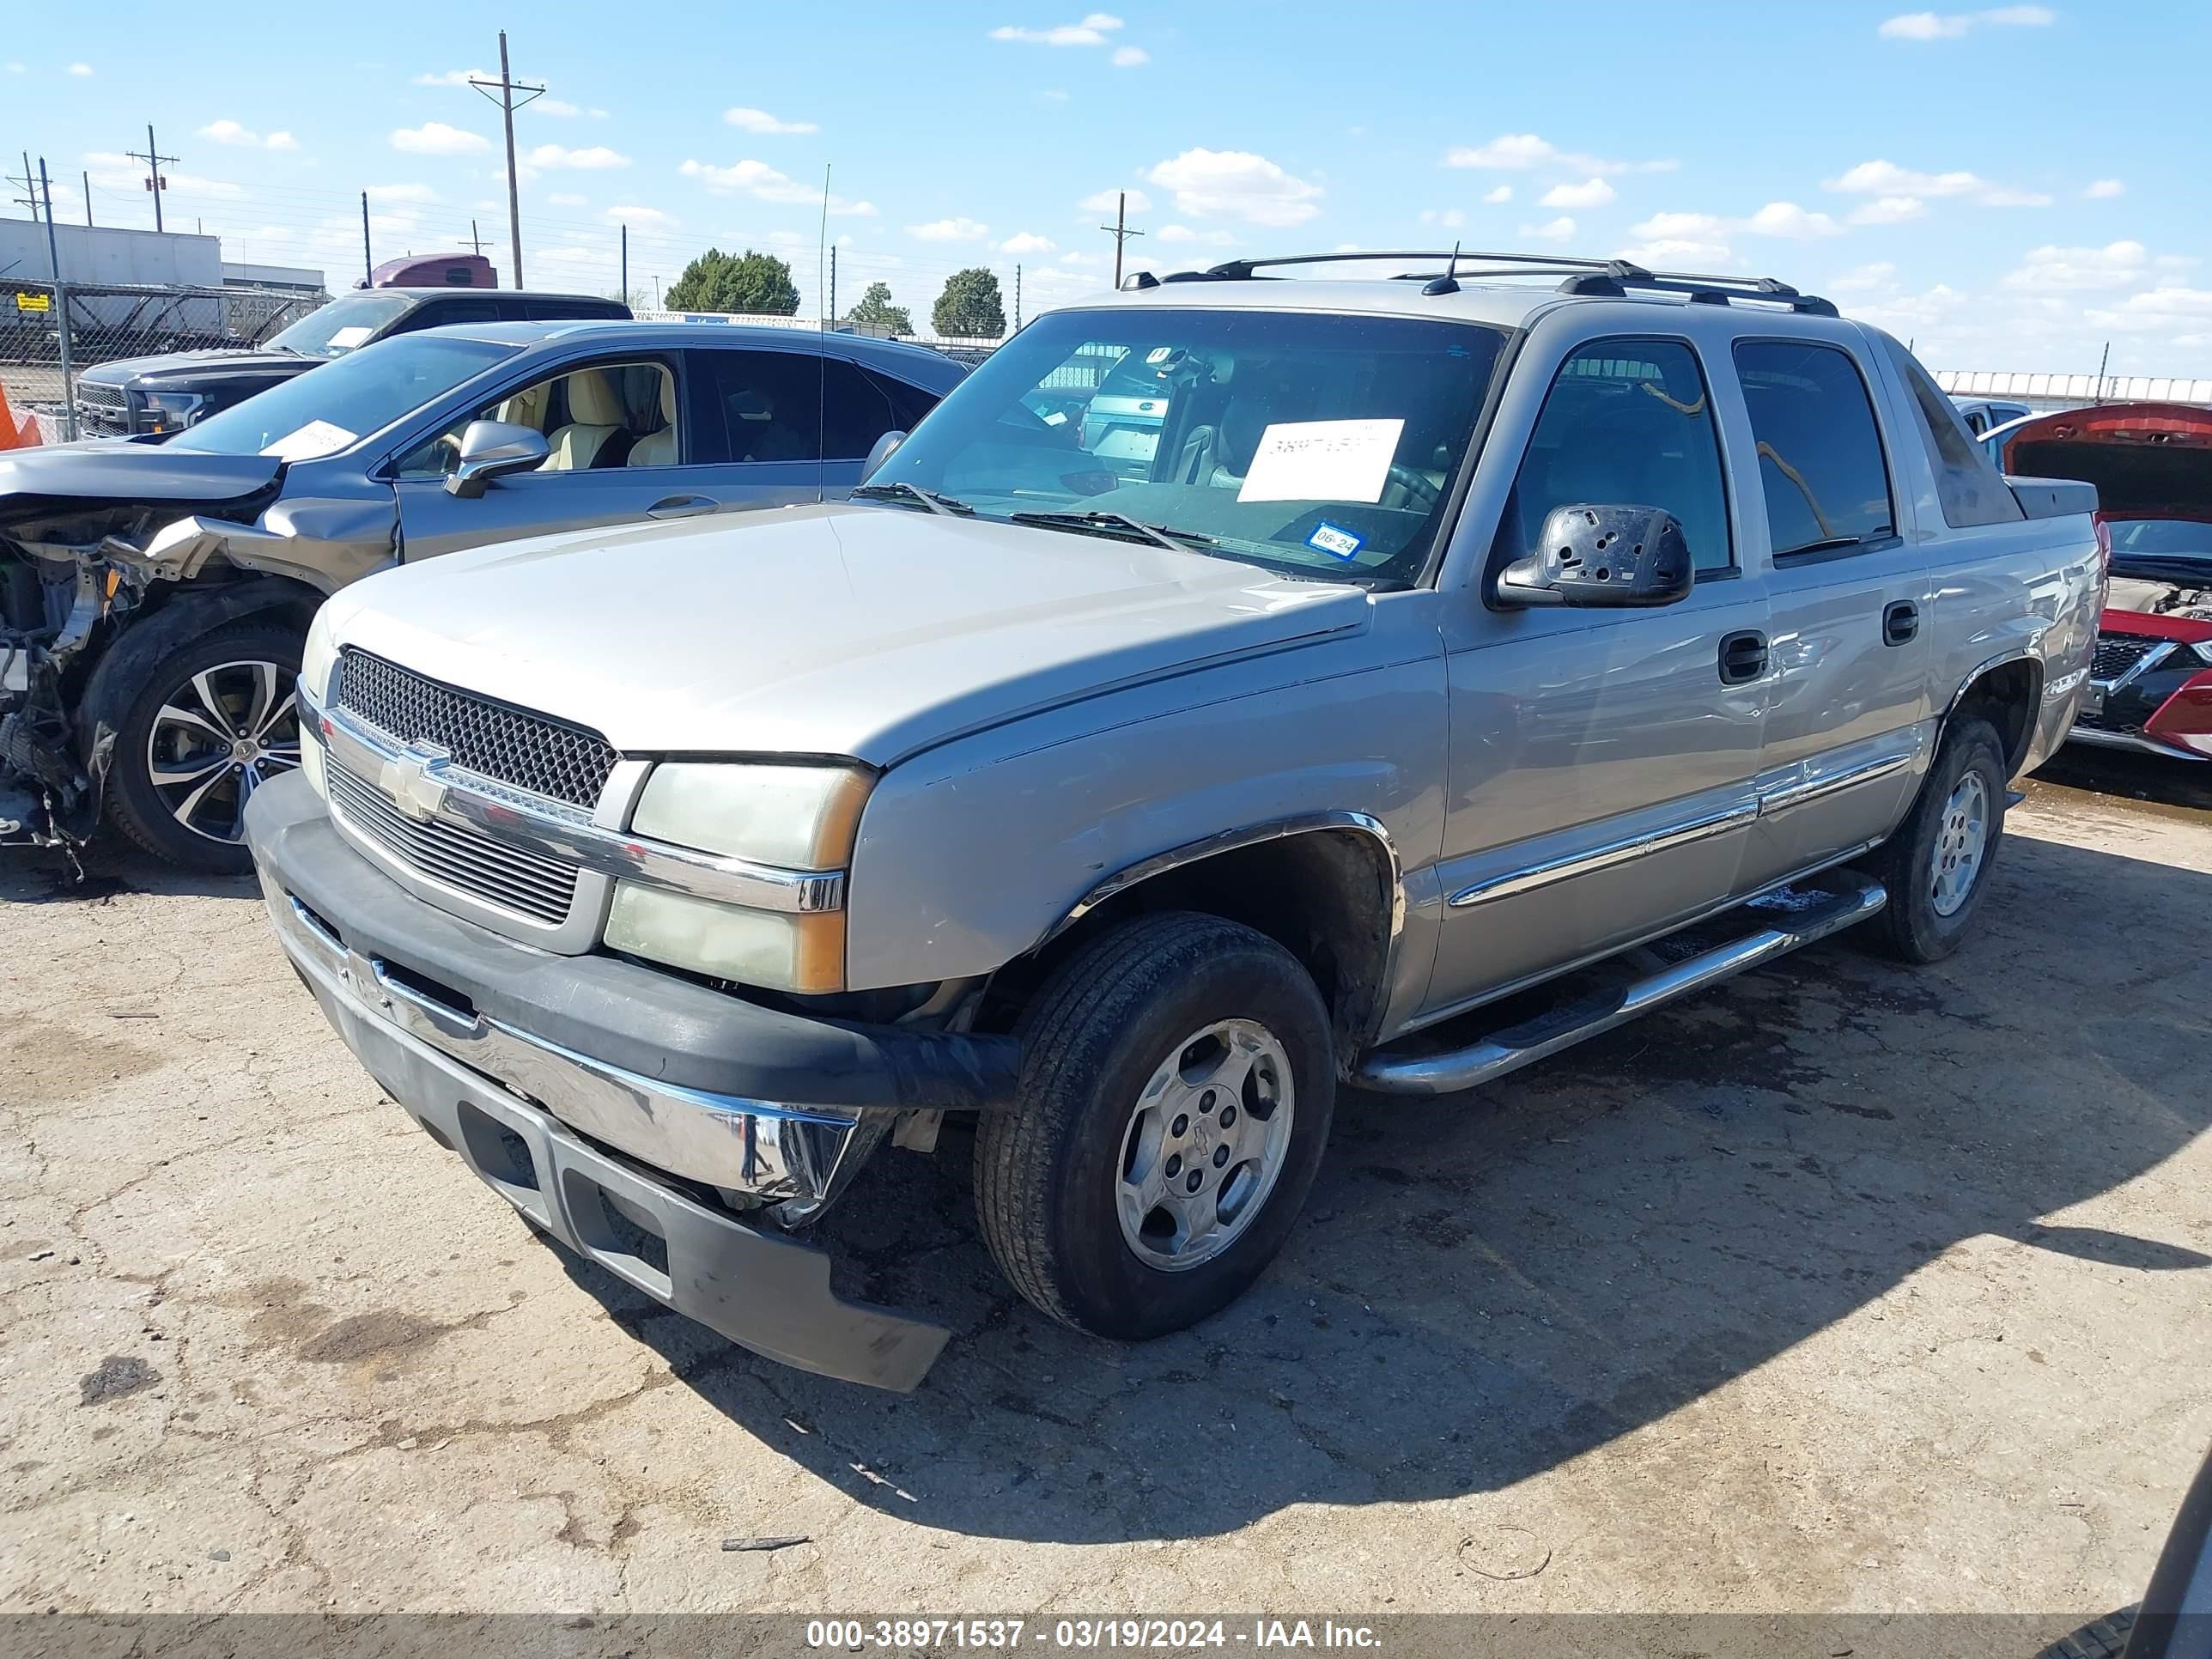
(1914, 926)
(1104, 1026)
(240, 662)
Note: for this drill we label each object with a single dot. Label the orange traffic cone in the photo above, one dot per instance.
(14, 434)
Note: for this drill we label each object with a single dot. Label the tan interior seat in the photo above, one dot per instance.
(658, 448)
(595, 414)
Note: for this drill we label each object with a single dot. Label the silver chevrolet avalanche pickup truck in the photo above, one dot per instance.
(1459, 664)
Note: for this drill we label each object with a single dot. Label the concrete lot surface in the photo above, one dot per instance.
(1846, 1288)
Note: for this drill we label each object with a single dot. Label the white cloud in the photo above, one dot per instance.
(2182, 315)
(1130, 56)
(1079, 259)
(560, 106)
(453, 77)
(1516, 152)
(1027, 242)
(1185, 233)
(1950, 26)
(760, 121)
(1449, 218)
(1560, 230)
(231, 133)
(1238, 185)
(1787, 219)
(597, 158)
(1677, 252)
(2104, 190)
(1050, 96)
(1710, 234)
(1886, 178)
(111, 171)
(950, 230)
(1503, 193)
(80, 69)
(568, 198)
(2077, 270)
(402, 194)
(436, 138)
(1104, 201)
(1595, 194)
(650, 217)
(280, 141)
(1875, 278)
(1091, 32)
(19, 68)
(1889, 211)
(759, 180)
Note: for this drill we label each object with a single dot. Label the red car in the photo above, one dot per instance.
(2150, 688)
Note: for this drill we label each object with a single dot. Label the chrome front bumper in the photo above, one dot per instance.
(761, 1150)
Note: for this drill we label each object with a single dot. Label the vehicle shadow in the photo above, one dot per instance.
(2178, 782)
(42, 875)
(1486, 1286)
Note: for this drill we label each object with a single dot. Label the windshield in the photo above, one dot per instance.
(333, 330)
(1307, 442)
(2162, 542)
(328, 409)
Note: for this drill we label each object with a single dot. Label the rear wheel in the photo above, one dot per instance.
(1178, 1077)
(1936, 866)
(218, 718)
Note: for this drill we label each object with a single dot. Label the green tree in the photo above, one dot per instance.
(970, 307)
(876, 309)
(716, 280)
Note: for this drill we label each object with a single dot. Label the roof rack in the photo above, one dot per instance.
(1589, 278)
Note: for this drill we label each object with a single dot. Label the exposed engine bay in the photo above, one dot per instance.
(2155, 597)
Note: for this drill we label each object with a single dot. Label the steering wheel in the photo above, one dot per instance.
(1421, 495)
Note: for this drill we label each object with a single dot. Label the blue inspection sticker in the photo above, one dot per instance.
(1335, 540)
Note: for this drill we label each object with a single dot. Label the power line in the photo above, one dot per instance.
(508, 86)
(155, 182)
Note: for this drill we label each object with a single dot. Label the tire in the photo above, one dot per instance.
(1216, 1002)
(1921, 924)
(240, 677)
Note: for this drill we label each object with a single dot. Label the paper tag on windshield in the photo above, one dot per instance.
(310, 442)
(346, 339)
(1321, 461)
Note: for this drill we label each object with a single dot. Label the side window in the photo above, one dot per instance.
(1819, 452)
(770, 403)
(1968, 487)
(1977, 422)
(909, 402)
(1626, 423)
(595, 416)
(854, 412)
(439, 312)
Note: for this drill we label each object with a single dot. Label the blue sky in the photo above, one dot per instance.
(2009, 186)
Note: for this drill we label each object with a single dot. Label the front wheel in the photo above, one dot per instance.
(1936, 866)
(214, 719)
(1178, 1077)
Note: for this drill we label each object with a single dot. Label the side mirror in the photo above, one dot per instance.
(492, 449)
(1602, 556)
(880, 452)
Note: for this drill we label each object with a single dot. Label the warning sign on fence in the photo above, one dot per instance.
(34, 301)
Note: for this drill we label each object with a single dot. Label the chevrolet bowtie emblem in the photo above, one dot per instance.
(413, 779)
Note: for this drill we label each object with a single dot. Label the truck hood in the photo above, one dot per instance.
(200, 368)
(109, 470)
(863, 631)
(2148, 460)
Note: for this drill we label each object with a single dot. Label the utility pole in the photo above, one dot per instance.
(29, 181)
(153, 158)
(1018, 299)
(476, 242)
(368, 270)
(507, 86)
(1120, 231)
(61, 306)
(87, 178)
(625, 268)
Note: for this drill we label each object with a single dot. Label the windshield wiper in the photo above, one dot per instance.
(1110, 524)
(935, 502)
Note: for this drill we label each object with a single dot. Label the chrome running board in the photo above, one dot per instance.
(1803, 915)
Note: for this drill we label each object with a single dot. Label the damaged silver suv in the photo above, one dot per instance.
(1455, 667)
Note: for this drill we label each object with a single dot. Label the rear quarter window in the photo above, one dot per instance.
(1968, 487)
(1820, 462)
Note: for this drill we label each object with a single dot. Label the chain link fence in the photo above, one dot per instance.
(49, 336)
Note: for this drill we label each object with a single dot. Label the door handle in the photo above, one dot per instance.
(1743, 657)
(681, 506)
(1900, 621)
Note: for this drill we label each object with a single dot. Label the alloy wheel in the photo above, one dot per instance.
(218, 737)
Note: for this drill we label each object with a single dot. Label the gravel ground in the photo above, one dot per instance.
(1846, 1289)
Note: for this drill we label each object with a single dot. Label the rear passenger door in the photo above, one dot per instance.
(1847, 679)
(788, 427)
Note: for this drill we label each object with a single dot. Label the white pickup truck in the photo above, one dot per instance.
(1442, 670)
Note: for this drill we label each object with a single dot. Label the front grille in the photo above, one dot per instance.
(102, 410)
(2119, 653)
(528, 884)
(531, 752)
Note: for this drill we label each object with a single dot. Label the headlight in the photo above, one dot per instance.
(2203, 650)
(318, 657)
(799, 817)
(169, 412)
